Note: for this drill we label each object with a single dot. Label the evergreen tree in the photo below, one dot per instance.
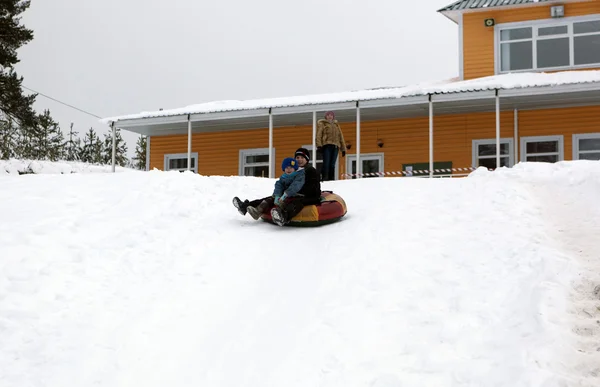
(47, 140)
(13, 103)
(72, 146)
(139, 159)
(120, 149)
(91, 152)
(9, 137)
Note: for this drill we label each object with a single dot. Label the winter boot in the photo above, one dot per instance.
(241, 206)
(256, 212)
(278, 216)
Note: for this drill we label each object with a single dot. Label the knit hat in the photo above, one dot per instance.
(330, 112)
(289, 162)
(303, 152)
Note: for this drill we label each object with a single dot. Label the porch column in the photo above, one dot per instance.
(516, 139)
(497, 129)
(314, 140)
(114, 145)
(271, 171)
(147, 153)
(189, 152)
(358, 166)
(430, 137)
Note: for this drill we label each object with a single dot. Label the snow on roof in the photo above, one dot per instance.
(505, 81)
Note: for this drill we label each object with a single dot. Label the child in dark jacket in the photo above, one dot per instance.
(287, 186)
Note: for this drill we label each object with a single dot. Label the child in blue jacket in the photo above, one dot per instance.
(287, 186)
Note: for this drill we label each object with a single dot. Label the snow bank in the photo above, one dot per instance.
(154, 279)
(18, 166)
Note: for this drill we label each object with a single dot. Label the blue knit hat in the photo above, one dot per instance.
(289, 162)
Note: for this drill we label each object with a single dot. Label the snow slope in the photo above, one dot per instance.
(154, 279)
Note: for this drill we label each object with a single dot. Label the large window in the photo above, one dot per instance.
(548, 149)
(178, 162)
(549, 45)
(371, 163)
(255, 162)
(320, 160)
(586, 146)
(484, 153)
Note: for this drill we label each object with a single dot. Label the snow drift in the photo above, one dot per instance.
(154, 279)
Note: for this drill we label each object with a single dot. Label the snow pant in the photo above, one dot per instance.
(330, 153)
(256, 202)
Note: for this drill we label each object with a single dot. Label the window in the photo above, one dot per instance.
(320, 160)
(371, 163)
(178, 162)
(548, 45)
(255, 162)
(586, 146)
(547, 149)
(484, 153)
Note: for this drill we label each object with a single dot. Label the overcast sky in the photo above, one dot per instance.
(113, 57)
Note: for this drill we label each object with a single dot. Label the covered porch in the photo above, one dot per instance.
(465, 97)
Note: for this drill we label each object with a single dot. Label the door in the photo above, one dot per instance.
(371, 163)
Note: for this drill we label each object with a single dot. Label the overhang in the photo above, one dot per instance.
(383, 109)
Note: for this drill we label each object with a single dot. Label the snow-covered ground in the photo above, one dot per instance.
(154, 279)
(19, 166)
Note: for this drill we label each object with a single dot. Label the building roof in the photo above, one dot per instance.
(478, 4)
(515, 81)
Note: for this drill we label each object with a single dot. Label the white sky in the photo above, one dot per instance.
(113, 57)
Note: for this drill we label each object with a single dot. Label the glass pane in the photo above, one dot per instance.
(516, 33)
(553, 53)
(545, 31)
(370, 166)
(262, 171)
(586, 27)
(516, 56)
(589, 156)
(542, 147)
(587, 49)
(491, 162)
(252, 159)
(587, 144)
(543, 159)
(181, 163)
(490, 149)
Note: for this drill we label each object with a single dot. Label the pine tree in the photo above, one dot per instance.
(9, 137)
(73, 145)
(48, 141)
(139, 159)
(13, 103)
(91, 152)
(120, 149)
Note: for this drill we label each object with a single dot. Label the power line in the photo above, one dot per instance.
(66, 104)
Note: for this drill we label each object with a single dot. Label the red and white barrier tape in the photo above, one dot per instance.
(410, 173)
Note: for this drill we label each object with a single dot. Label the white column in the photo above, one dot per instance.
(189, 163)
(430, 137)
(114, 146)
(314, 140)
(358, 165)
(516, 139)
(497, 129)
(271, 171)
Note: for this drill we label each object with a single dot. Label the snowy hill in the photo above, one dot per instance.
(154, 279)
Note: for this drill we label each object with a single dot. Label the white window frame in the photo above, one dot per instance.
(535, 25)
(559, 138)
(252, 152)
(175, 156)
(337, 162)
(492, 141)
(364, 157)
(583, 136)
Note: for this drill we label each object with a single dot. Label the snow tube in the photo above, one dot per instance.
(331, 209)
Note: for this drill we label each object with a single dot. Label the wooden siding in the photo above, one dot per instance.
(478, 40)
(406, 141)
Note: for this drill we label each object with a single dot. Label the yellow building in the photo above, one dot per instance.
(529, 86)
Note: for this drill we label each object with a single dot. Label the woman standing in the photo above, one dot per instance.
(330, 140)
